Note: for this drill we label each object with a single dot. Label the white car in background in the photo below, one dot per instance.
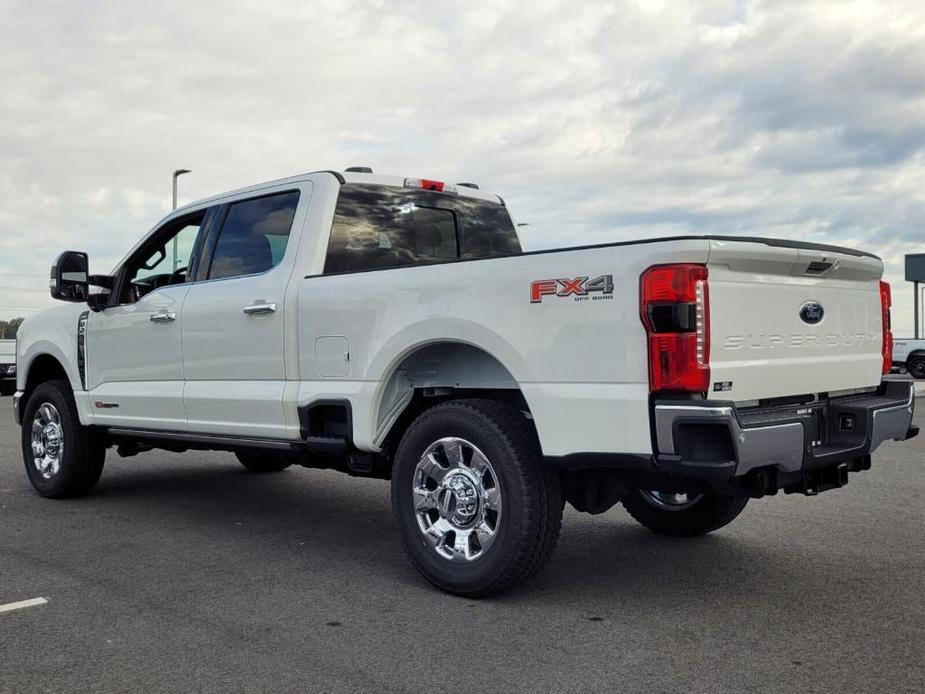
(7, 367)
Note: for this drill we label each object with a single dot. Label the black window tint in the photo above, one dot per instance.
(254, 235)
(433, 233)
(384, 226)
(486, 230)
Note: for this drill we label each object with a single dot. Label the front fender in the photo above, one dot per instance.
(52, 333)
(67, 359)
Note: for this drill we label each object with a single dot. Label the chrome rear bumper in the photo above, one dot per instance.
(717, 440)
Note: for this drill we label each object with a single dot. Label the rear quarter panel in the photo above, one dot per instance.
(581, 364)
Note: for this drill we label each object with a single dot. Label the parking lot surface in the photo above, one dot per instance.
(186, 573)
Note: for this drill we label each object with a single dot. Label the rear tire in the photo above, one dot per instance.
(478, 510)
(263, 462)
(698, 515)
(63, 459)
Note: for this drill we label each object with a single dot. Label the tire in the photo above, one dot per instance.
(916, 366)
(512, 494)
(263, 462)
(7, 388)
(72, 454)
(700, 515)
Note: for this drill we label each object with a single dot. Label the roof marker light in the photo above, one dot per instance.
(429, 184)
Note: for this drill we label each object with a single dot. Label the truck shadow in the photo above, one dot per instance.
(335, 520)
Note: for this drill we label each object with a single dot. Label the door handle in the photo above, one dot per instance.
(259, 308)
(163, 317)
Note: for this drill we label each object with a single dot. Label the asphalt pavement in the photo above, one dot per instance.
(185, 573)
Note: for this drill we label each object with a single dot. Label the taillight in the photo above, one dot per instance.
(675, 310)
(886, 303)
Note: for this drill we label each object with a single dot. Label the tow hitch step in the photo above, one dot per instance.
(822, 479)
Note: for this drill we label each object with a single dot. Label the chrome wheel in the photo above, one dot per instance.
(47, 440)
(457, 499)
(670, 502)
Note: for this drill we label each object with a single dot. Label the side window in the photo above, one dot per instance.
(254, 235)
(164, 259)
(172, 256)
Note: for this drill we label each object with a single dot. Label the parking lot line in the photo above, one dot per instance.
(10, 606)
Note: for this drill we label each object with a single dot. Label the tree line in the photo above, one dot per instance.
(8, 328)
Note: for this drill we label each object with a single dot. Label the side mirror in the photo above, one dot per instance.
(100, 300)
(70, 277)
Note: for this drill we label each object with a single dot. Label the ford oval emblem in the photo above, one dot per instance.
(811, 312)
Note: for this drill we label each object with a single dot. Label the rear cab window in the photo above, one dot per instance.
(379, 227)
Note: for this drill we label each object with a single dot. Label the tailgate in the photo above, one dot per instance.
(792, 321)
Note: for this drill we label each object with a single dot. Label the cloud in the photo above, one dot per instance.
(594, 120)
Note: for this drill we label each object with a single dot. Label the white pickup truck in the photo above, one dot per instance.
(7, 367)
(393, 327)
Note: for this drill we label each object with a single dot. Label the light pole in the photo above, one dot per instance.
(176, 174)
(917, 294)
(917, 291)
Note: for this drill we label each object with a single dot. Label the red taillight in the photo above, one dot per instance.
(675, 310)
(886, 303)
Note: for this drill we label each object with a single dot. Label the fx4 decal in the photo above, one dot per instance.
(583, 289)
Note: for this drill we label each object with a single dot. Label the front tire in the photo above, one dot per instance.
(63, 458)
(479, 512)
(683, 515)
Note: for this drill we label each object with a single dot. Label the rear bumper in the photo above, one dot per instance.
(716, 441)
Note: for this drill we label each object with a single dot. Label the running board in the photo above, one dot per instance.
(318, 445)
(202, 441)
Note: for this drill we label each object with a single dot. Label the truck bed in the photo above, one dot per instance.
(581, 359)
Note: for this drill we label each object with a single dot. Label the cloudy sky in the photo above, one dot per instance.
(595, 120)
